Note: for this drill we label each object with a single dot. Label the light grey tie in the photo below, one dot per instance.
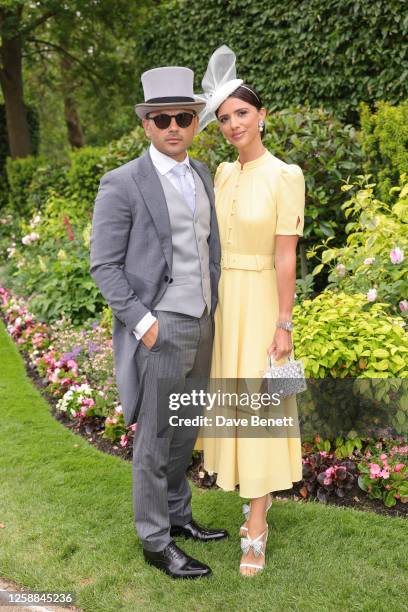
(185, 186)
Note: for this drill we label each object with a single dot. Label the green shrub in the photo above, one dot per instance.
(356, 358)
(124, 150)
(339, 335)
(84, 172)
(20, 173)
(385, 144)
(374, 259)
(54, 275)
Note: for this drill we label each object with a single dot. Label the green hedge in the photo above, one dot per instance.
(334, 53)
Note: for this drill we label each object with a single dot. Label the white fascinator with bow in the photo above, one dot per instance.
(218, 83)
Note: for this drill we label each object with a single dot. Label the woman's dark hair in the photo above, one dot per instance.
(247, 94)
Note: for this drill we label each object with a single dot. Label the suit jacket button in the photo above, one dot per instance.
(170, 281)
(166, 279)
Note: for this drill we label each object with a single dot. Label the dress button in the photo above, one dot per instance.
(166, 279)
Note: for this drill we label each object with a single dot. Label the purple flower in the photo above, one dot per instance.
(397, 255)
(92, 347)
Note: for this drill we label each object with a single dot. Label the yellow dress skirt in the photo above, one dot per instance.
(254, 203)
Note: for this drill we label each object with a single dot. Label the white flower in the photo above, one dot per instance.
(26, 239)
(341, 270)
(372, 295)
(369, 261)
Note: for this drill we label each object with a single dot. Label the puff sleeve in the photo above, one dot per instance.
(290, 201)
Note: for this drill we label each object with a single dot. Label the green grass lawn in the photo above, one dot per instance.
(68, 522)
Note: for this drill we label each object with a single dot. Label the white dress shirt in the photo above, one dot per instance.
(163, 164)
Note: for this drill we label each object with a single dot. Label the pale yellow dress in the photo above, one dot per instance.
(254, 203)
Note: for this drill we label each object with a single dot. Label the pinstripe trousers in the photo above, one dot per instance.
(161, 493)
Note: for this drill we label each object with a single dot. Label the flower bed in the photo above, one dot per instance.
(75, 366)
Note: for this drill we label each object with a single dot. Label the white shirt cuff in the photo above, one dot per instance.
(143, 325)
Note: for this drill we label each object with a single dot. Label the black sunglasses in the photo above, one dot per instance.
(163, 120)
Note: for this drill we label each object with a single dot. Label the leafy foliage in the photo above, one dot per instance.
(335, 53)
(385, 144)
(339, 335)
(374, 259)
(325, 475)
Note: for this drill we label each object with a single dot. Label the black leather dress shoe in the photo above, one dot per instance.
(196, 532)
(175, 563)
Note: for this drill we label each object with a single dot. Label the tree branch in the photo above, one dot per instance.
(60, 49)
(37, 22)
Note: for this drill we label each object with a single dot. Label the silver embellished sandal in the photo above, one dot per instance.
(246, 511)
(258, 547)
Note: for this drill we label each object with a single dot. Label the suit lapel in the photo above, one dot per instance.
(150, 187)
(207, 180)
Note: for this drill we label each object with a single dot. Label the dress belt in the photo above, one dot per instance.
(247, 262)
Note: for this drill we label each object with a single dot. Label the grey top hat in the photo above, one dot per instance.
(171, 87)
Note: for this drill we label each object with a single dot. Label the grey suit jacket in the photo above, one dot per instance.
(131, 258)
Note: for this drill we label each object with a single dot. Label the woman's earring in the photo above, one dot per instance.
(261, 125)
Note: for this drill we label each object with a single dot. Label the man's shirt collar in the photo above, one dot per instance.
(163, 163)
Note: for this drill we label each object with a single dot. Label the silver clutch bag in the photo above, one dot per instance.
(286, 379)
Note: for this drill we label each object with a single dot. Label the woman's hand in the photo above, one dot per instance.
(281, 346)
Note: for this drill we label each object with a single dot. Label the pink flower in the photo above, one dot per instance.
(374, 470)
(341, 270)
(369, 261)
(74, 413)
(72, 364)
(372, 295)
(84, 410)
(133, 426)
(124, 440)
(397, 255)
(403, 305)
(383, 457)
(399, 467)
(111, 421)
(330, 472)
(88, 401)
(118, 409)
(327, 481)
(384, 474)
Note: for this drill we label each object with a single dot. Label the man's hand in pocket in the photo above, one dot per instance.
(150, 337)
